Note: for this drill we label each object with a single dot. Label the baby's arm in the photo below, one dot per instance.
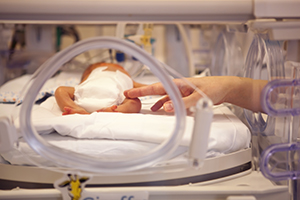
(65, 99)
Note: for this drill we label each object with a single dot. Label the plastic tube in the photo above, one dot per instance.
(65, 158)
(266, 159)
(288, 107)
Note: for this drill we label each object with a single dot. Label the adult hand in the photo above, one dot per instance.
(216, 88)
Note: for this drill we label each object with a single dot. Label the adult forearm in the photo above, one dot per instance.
(246, 93)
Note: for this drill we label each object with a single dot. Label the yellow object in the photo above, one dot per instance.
(74, 186)
(75, 192)
(146, 38)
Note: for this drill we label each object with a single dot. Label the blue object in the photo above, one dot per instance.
(120, 56)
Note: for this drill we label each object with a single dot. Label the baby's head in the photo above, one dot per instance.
(114, 67)
(110, 67)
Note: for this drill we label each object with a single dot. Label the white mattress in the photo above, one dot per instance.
(118, 134)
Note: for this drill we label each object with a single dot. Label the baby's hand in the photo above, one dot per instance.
(69, 110)
(109, 109)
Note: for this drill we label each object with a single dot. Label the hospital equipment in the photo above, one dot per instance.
(264, 53)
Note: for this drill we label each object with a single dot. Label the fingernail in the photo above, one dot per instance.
(168, 106)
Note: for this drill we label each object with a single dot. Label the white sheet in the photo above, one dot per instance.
(104, 149)
(120, 137)
(227, 134)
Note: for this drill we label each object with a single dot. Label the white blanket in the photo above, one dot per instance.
(120, 134)
(123, 134)
(227, 133)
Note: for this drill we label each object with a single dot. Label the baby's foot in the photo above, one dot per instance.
(109, 109)
(69, 110)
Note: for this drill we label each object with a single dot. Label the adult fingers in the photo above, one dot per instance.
(160, 103)
(188, 102)
(191, 100)
(153, 89)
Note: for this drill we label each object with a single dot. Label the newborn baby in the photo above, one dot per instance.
(100, 90)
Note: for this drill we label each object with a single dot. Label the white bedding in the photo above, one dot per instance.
(226, 134)
(11, 91)
(117, 134)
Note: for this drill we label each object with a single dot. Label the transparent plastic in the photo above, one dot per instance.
(66, 159)
(227, 57)
(290, 162)
(264, 61)
(281, 99)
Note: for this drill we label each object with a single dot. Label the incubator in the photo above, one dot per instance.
(206, 152)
